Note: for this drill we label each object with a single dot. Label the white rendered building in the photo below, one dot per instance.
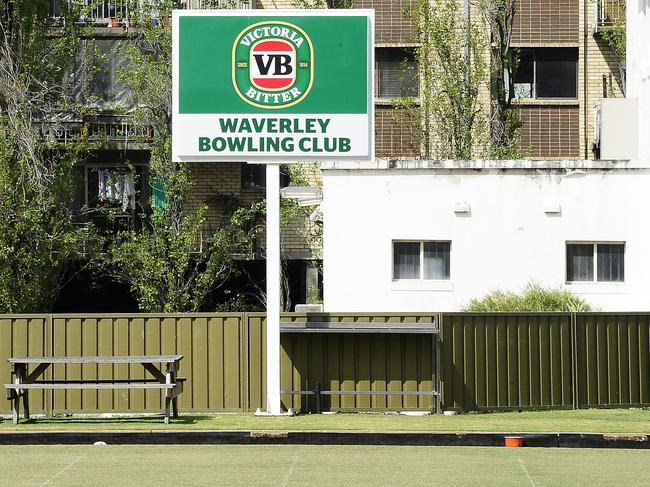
(414, 236)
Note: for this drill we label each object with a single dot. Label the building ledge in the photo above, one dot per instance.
(545, 102)
(384, 164)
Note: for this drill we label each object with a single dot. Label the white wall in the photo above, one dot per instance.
(638, 67)
(506, 240)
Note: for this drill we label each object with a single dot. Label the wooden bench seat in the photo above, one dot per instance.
(163, 380)
(92, 385)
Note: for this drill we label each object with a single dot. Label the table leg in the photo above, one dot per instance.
(168, 401)
(16, 407)
(21, 373)
(170, 397)
(26, 403)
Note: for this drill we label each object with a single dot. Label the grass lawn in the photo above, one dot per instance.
(580, 421)
(318, 465)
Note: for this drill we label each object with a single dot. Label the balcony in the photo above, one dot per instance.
(116, 13)
(114, 132)
(609, 13)
(215, 4)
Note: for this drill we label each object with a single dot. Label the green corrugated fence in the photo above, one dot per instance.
(215, 358)
(487, 360)
(612, 359)
(509, 361)
(544, 360)
(223, 360)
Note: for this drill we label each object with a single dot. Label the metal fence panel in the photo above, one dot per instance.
(211, 346)
(488, 360)
(359, 362)
(612, 359)
(22, 336)
(506, 361)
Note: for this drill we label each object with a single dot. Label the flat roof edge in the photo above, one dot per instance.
(478, 164)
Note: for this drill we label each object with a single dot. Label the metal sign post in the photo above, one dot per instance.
(273, 273)
(271, 87)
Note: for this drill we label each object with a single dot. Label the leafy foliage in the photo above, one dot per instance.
(448, 121)
(163, 266)
(505, 119)
(616, 37)
(324, 3)
(164, 263)
(37, 235)
(533, 297)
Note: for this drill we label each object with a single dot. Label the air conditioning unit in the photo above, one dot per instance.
(617, 129)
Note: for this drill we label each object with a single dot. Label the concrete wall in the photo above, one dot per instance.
(505, 241)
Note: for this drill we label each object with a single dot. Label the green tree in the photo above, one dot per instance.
(449, 122)
(533, 297)
(37, 236)
(163, 262)
(505, 120)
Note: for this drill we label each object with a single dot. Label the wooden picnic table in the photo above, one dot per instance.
(164, 378)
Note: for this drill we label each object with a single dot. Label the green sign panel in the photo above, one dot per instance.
(273, 85)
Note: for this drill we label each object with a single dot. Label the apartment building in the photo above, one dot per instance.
(566, 68)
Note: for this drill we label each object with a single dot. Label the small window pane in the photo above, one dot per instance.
(436, 260)
(580, 262)
(557, 73)
(523, 78)
(406, 264)
(396, 73)
(611, 262)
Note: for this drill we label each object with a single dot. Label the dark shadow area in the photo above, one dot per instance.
(157, 419)
(359, 362)
(87, 292)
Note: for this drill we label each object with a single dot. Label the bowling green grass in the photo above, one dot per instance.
(288, 465)
(580, 421)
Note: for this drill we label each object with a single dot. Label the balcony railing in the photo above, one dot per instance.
(216, 4)
(610, 13)
(102, 130)
(124, 9)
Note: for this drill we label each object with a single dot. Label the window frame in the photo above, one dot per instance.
(594, 244)
(534, 61)
(406, 51)
(253, 177)
(421, 263)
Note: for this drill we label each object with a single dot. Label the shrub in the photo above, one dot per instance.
(534, 297)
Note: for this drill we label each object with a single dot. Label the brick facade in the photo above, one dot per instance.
(546, 21)
(551, 131)
(392, 21)
(554, 129)
(394, 133)
(602, 78)
(219, 186)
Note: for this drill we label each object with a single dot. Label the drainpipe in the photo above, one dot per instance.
(585, 77)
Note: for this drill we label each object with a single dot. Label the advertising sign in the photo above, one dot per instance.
(281, 85)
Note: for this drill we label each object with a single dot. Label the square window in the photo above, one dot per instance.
(254, 176)
(605, 261)
(546, 73)
(396, 73)
(421, 260)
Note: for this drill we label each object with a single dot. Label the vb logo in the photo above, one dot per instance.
(273, 64)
